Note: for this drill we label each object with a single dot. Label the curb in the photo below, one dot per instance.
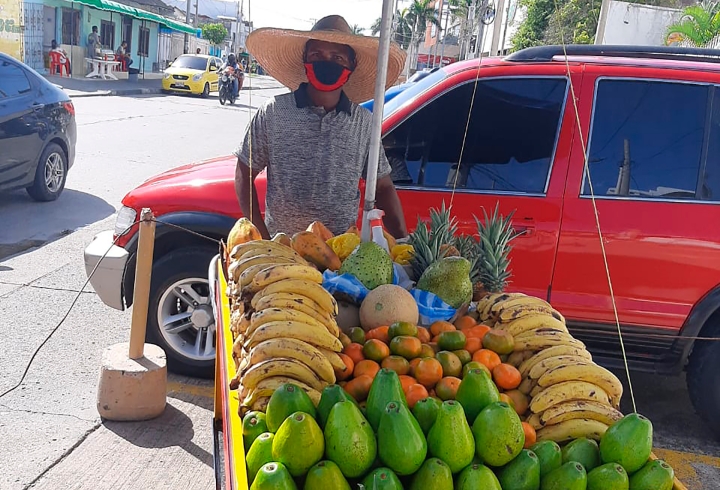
(120, 93)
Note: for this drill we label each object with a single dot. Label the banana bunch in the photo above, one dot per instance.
(283, 322)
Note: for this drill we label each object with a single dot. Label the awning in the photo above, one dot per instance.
(137, 13)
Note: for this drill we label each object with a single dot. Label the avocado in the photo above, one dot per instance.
(425, 412)
(654, 475)
(477, 476)
(450, 437)
(476, 391)
(434, 474)
(285, 400)
(448, 279)
(499, 435)
(401, 443)
(522, 473)
(610, 476)
(583, 450)
(298, 443)
(385, 388)
(628, 442)
(382, 479)
(370, 264)
(253, 425)
(570, 476)
(259, 454)
(349, 440)
(331, 394)
(325, 475)
(273, 476)
(549, 454)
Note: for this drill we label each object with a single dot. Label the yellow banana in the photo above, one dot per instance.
(260, 405)
(495, 299)
(519, 302)
(241, 249)
(517, 358)
(335, 360)
(267, 387)
(534, 420)
(510, 314)
(273, 250)
(535, 391)
(302, 287)
(566, 391)
(293, 349)
(526, 386)
(558, 350)
(247, 276)
(292, 301)
(580, 409)
(236, 268)
(551, 363)
(532, 322)
(319, 337)
(572, 429)
(545, 339)
(591, 373)
(284, 314)
(284, 271)
(290, 368)
(557, 315)
(486, 303)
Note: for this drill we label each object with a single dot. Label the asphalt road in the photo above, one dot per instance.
(49, 428)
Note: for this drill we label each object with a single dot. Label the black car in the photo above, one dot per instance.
(37, 132)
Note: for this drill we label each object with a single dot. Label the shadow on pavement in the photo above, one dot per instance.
(28, 224)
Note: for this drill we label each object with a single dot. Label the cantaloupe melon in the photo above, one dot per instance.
(386, 305)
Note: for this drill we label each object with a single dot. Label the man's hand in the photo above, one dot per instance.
(388, 201)
(248, 198)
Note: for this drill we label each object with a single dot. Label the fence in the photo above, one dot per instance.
(171, 44)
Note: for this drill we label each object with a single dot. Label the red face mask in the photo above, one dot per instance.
(327, 76)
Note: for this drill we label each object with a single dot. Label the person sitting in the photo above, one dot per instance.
(232, 62)
(63, 56)
(123, 56)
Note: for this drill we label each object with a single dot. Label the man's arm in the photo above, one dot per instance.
(388, 201)
(248, 196)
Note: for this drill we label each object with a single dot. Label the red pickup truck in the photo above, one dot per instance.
(646, 118)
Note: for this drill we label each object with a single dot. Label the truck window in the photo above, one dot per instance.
(647, 139)
(510, 140)
(709, 188)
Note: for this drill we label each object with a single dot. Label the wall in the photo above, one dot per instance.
(11, 41)
(33, 55)
(637, 25)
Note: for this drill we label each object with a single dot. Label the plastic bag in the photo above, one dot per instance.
(431, 307)
(349, 286)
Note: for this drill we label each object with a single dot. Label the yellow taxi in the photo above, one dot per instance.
(192, 73)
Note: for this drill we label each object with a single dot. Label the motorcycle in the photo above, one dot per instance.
(226, 92)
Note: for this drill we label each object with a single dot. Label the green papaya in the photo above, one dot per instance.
(382, 479)
(434, 474)
(450, 437)
(477, 476)
(583, 450)
(253, 425)
(628, 442)
(385, 388)
(476, 391)
(522, 473)
(570, 476)
(286, 400)
(349, 440)
(298, 443)
(401, 443)
(331, 394)
(425, 412)
(549, 455)
(610, 476)
(499, 435)
(654, 475)
(259, 454)
(273, 476)
(325, 475)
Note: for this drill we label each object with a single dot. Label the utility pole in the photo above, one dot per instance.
(196, 12)
(442, 50)
(496, 31)
(623, 185)
(186, 49)
(480, 29)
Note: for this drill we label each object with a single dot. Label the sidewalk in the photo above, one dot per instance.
(89, 87)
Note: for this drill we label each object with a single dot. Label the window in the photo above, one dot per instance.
(510, 139)
(709, 183)
(13, 81)
(647, 140)
(71, 27)
(107, 34)
(143, 41)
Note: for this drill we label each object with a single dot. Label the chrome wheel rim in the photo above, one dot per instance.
(54, 172)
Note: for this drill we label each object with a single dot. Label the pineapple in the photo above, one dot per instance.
(492, 267)
(434, 242)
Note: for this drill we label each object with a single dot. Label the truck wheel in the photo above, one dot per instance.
(50, 174)
(180, 315)
(703, 376)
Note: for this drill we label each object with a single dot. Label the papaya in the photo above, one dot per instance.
(298, 444)
(320, 230)
(499, 435)
(549, 455)
(286, 400)
(570, 476)
(315, 250)
(434, 474)
(283, 239)
(253, 425)
(583, 450)
(401, 442)
(477, 476)
(628, 442)
(243, 231)
(385, 388)
(349, 440)
(259, 454)
(326, 475)
(654, 475)
(425, 412)
(476, 391)
(499, 341)
(522, 473)
(330, 395)
(273, 476)
(610, 476)
(353, 229)
(450, 437)
(382, 479)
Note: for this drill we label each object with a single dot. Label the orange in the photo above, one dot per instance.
(366, 367)
(379, 333)
(506, 376)
(487, 357)
(440, 326)
(520, 401)
(359, 387)
(428, 372)
(396, 363)
(465, 322)
(436, 338)
(424, 335)
(472, 344)
(406, 381)
(406, 346)
(477, 331)
(342, 384)
(427, 351)
(447, 387)
(434, 347)
(350, 367)
(451, 364)
(413, 365)
(414, 394)
(375, 349)
(506, 399)
(355, 352)
(344, 339)
(530, 435)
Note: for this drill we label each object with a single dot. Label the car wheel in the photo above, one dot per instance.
(703, 376)
(206, 90)
(50, 174)
(180, 317)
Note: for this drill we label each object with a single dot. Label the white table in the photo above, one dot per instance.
(101, 68)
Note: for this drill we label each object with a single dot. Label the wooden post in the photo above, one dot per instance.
(141, 293)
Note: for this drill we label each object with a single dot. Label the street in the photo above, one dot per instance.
(51, 432)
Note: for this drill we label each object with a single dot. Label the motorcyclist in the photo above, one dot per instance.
(232, 62)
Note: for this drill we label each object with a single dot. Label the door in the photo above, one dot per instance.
(20, 142)
(213, 74)
(126, 33)
(654, 172)
(508, 156)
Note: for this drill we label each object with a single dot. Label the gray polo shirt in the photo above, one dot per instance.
(314, 159)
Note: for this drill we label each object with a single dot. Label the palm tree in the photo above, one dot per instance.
(356, 29)
(419, 15)
(699, 25)
(402, 29)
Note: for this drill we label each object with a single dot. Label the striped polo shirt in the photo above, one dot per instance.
(314, 160)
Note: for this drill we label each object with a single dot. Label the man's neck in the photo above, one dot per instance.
(327, 100)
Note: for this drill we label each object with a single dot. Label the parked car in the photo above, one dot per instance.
(193, 74)
(37, 132)
(393, 91)
(650, 124)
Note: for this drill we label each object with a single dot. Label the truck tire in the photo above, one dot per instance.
(180, 315)
(703, 378)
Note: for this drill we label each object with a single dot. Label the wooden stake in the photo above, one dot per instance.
(141, 293)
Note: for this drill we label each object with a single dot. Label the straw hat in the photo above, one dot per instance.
(280, 53)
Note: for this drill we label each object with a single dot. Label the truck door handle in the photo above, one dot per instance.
(525, 227)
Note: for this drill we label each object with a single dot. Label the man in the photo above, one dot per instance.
(123, 56)
(232, 62)
(314, 142)
(197, 51)
(93, 43)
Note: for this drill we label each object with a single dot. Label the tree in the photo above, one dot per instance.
(420, 14)
(402, 32)
(356, 29)
(699, 24)
(215, 33)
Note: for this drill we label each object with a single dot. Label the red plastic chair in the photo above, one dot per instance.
(58, 60)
